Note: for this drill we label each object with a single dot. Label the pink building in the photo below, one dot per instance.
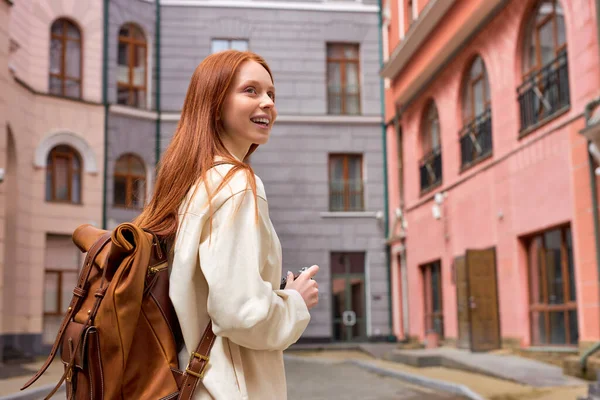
(492, 228)
(51, 161)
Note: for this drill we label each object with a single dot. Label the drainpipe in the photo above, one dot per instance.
(391, 337)
(158, 109)
(105, 103)
(594, 188)
(596, 347)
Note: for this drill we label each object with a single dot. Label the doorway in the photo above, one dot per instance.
(348, 289)
(477, 300)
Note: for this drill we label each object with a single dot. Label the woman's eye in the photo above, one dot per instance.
(251, 90)
(272, 96)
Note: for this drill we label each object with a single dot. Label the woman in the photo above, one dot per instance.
(226, 257)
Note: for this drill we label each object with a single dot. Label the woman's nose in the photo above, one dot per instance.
(267, 102)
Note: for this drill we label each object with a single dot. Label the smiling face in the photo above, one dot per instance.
(249, 109)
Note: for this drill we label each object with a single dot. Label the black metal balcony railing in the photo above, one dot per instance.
(346, 195)
(476, 139)
(430, 168)
(544, 92)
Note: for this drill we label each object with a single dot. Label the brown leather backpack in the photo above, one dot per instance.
(120, 337)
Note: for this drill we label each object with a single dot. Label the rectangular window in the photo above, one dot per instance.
(218, 45)
(432, 291)
(132, 72)
(553, 307)
(62, 261)
(346, 184)
(343, 82)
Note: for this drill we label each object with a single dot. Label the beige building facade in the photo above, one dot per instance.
(51, 153)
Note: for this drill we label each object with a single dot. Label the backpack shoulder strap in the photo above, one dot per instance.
(78, 293)
(197, 364)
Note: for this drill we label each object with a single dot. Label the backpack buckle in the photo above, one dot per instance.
(202, 370)
(69, 376)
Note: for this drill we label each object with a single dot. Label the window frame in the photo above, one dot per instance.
(469, 88)
(544, 306)
(533, 27)
(476, 128)
(132, 45)
(59, 286)
(428, 307)
(229, 42)
(71, 153)
(544, 93)
(343, 62)
(427, 131)
(64, 39)
(347, 192)
(130, 179)
(431, 156)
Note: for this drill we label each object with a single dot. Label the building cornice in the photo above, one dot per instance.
(356, 7)
(54, 96)
(429, 18)
(416, 38)
(133, 112)
(294, 119)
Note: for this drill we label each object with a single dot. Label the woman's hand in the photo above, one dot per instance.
(305, 285)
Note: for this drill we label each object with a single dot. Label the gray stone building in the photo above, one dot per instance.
(323, 166)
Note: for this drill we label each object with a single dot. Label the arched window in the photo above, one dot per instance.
(545, 89)
(545, 38)
(476, 134)
(131, 71)
(65, 59)
(63, 175)
(430, 134)
(476, 91)
(431, 161)
(129, 182)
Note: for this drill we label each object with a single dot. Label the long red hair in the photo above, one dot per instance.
(196, 143)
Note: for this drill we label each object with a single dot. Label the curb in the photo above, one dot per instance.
(430, 383)
(34, 393)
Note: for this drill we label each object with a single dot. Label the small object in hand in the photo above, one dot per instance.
(284, 279)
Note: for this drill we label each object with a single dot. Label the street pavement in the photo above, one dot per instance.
(320, 375)
(315, 380)
(312, 379)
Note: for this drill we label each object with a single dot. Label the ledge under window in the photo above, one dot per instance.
(349, 214)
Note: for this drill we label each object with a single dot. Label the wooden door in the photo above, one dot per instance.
(483, 299)
(462, 306)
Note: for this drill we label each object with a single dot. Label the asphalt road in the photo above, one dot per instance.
(315, 380)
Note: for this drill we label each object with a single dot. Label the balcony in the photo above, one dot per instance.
(544, 94)
(476, 140)
(430, 168)
(346, 195)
